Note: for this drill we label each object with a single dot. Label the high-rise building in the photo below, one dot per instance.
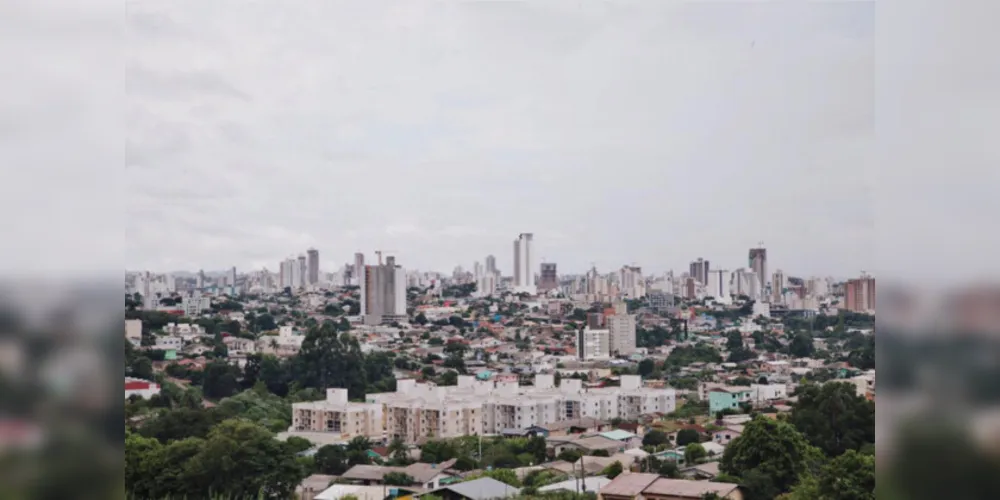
(718, 285)
(621, 328)
(758, 263)
(690, 288)
(699, 270)
(778, 286)
(491, 264)
(383, 293)
(486, 286)
(289, 274)
(232, 283)
(523, 273)
(631, 283)
(359, 268)
(549, 278)
(859, 294)
(201, 280)
(312, 256)
(746, 282)
(303, 271)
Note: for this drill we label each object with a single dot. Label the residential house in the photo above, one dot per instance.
(425, 476)
(484, 488)
(641, 486)
(705, 471)
(587, 445)
(626, 437)
(168, 342)
(727, 398)
(585, 425)
(727, 435)
(313, 485)
(239, 346)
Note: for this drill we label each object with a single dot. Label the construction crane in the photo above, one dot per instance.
(380, 252)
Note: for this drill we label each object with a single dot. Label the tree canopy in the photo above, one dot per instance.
(834, 418)
(770, 457)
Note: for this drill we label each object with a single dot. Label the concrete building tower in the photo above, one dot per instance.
(523, 269)
(312, 257)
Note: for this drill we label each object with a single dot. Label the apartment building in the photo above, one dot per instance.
(336, 415)
(416, 412)
(621, 333)
(593, 344)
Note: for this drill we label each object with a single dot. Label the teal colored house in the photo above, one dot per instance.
(727, 398)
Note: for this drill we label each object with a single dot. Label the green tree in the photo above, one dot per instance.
(850, 476)
(570, 456)
(655, 438)
(221, 380)
(265, 322)
(668, 468)
(331, 359)
(242, 459)
(834, 418)
(399, 452)
(612, 471)
(298, 445)
(142, 368)
(770, 457)
(331, 459)
(646, 367)
(801, 345)
(398, 479)
(693, 453)
(507, 476)
(687, 436)
(178, 424)
(734, 340)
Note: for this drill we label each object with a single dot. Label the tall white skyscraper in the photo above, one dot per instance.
(523, 268)
(359, 268)
(758, 263)
(718, 285)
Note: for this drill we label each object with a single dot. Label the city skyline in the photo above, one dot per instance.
(334, 265)
(501, 119)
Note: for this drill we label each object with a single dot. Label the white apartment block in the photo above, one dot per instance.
(422, 411)
(168, 342)
(194, 305)
(238, 346)
(593, 344)
(762, 393)
(336, 415)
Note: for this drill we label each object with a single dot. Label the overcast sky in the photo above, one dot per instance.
(644, 132)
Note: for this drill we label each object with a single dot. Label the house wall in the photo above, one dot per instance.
(718, 401)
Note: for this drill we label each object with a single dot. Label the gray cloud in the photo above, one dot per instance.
(640, 131)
